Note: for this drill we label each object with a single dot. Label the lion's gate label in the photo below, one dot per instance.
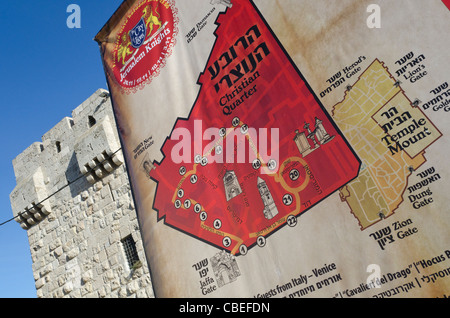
(144, 43)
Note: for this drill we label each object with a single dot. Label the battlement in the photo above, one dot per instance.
(85, 145)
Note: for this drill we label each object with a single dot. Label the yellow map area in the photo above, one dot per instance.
(389, 135)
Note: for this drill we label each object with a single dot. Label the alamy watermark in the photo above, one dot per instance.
(238, 144)
(374, 279)
(74, 19)
(374, 19)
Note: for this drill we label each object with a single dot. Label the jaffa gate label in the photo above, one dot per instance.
(144, 43)
(257, 150)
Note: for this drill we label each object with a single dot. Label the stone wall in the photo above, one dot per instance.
(73, 198)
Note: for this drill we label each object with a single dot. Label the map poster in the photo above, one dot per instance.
(286, 148)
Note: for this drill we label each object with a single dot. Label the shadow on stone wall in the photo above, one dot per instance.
(77, 182)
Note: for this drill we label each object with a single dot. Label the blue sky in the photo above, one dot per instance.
(47, 70)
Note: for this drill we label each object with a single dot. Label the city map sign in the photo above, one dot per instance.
(280, 150)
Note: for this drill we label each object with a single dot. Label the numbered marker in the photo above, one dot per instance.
(244, 129)
(187, 203)
(291, 221)
(261, 241)
(243, 249)
(203, 216)
(197, 159)
(177, 204)
(197, 208)
(180, 193)
(287, 199)
(294, 174)
(182, 170)
(235, 122)
(217, 224)
(226, 241)
(272, 164)
(222, 132)
(194, 178)
(204, 161)
(256, 164)
(218, 150)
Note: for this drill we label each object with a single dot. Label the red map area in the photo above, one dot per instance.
(229, 190)
(447, 3)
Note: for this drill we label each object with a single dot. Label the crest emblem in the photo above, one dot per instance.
(144, 42)
(138, 34)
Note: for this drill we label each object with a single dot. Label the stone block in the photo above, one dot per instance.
(73, 253)
(58, 251)
(39, 283)
(86, 277)
(47, 269)
(115, 284)
(68, 287)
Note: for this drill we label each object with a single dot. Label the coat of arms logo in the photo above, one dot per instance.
(138, 33)
(151, 24)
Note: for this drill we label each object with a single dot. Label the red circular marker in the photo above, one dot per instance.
(144, 43)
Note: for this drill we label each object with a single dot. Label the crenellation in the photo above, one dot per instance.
(74, 199)
(68, 151)
(27, 162)
(93, 106)
(62, 132)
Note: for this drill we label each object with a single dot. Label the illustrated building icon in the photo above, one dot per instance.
(270, 209)
(231, 184)
(225, 268)
(322, 135)
(302, 143)
(224, 2)
(319, 136)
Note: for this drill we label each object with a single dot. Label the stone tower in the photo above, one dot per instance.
(231, 185)
(270, 209)
(73, 198)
